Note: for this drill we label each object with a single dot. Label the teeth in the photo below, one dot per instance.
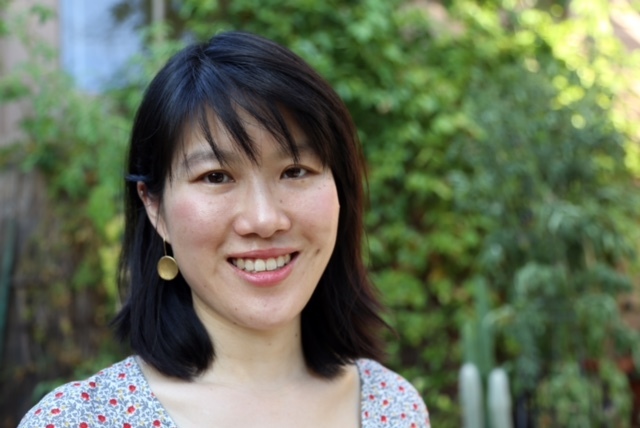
(261, 265)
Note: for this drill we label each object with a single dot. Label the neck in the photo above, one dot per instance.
(257, 358)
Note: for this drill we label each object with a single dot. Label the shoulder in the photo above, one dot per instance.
(111, 396)
(388, 399)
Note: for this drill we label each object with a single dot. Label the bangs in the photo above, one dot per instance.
(225, 99)
(234, 115)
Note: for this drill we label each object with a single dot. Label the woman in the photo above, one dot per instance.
(248, 302)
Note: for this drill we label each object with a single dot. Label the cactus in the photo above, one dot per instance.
(499, 399)
(470, 387)
(479, 368)
(478, 335)
(498, 403)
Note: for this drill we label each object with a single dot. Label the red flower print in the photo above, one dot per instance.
(59, 394)
(391, 400)
(156, 423)
(38, 411)
(92, 384)
(122, 376)
(55, 411)
(132, 388)
(76, 384)
(126, 425)
(367, 372)
(51, 426)
(84, 396)
(84, 425)
(102, 419)
(131, 410)
(113, 402)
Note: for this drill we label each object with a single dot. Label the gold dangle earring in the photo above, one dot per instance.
(167, 265)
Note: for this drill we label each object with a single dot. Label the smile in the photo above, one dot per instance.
(261, 265)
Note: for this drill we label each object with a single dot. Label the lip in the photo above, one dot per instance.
(265, 278)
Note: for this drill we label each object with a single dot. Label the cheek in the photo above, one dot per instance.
(191, 216)
(323, 207)
(331, 202)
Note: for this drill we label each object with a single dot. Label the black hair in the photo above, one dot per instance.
(240, 71)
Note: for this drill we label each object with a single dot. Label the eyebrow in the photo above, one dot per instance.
(232, 156)
(203, 155)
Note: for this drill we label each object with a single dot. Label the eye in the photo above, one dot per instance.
(217, 178)
(295, 172)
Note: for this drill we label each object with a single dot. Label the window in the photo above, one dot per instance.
(95, 47)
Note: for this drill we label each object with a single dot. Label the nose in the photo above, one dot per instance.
(260, 212)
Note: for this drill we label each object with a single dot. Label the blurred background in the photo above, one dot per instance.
(502, 140)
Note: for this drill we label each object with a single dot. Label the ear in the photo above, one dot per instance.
(152, 207)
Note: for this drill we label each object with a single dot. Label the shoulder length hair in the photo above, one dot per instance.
(239, 71)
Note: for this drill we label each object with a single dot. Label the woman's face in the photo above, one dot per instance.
(251, 239)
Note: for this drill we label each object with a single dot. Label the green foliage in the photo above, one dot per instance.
(60, 138)
(547, 169)
(570, 398)
(75, 143)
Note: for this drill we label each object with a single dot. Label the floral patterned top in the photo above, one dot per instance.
(120, 397)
